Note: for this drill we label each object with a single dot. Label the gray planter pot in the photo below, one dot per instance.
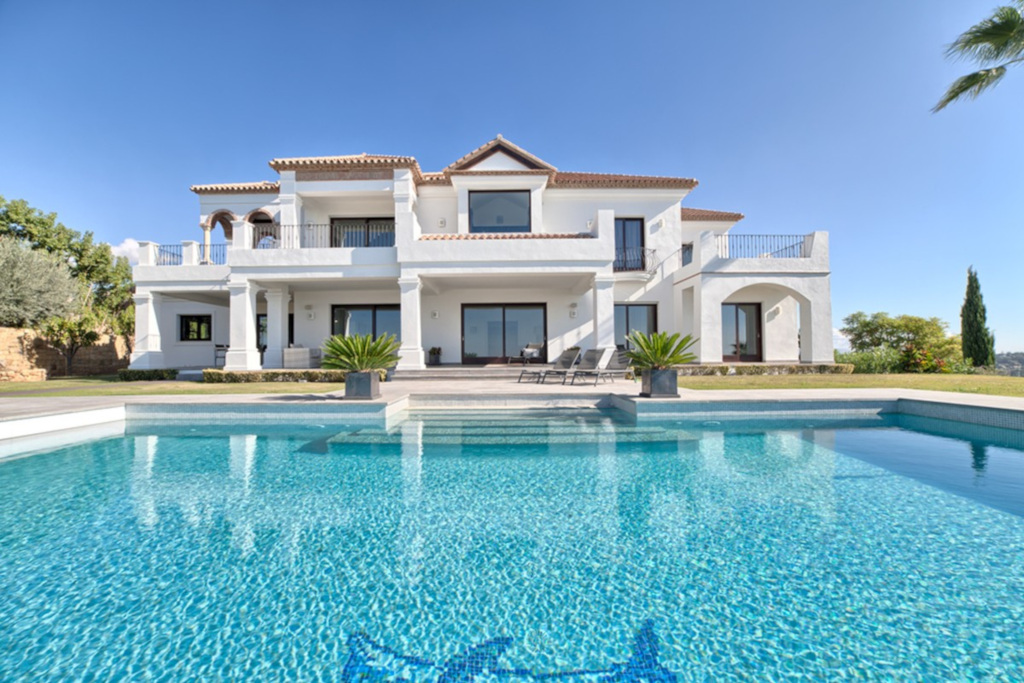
(659, 384)
(362, 386)
(434, 359)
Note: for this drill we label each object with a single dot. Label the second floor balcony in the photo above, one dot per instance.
(342, 233)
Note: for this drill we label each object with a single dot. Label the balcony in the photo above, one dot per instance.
(634, 260)
(762, 246)
(338, 234)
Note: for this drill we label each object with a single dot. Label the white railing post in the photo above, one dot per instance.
(147, 253)
(189, 253)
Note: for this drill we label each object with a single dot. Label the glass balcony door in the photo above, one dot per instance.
(741, 333)
(493, 332)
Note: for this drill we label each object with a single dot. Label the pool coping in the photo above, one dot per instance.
(71, 419)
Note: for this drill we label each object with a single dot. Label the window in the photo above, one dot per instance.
(261, 329)
(630, 317)
(499, 211)
(362, 232)
(359, 320)
(629, 244)
(741, 332)
(195, 327)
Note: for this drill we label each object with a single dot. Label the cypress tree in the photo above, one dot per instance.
(977, 340)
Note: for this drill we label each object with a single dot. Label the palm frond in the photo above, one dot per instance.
(659, 351)
(360, 353)
(997, 38)
(971, 85)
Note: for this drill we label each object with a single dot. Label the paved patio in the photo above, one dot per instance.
(470, 393)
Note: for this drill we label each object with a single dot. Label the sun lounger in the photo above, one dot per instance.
(616, 365)
(563, 364)
(590, 361)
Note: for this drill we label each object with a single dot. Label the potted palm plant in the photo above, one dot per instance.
(655, 356)
(365, 359)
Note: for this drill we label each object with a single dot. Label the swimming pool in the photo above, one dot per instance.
(578, 545)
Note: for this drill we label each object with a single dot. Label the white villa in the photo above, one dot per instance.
(496, 251)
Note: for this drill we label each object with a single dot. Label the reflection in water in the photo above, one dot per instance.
(979, 456)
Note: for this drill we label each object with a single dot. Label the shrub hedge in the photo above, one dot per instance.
(241, 376)
(126, 375)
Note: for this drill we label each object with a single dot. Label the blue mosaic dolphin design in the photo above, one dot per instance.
(369, 660)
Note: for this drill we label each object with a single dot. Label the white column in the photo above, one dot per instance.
(147, 253)
(411, 352)
(206, 243)
(277, 327)
(242, 352)
(147, 353)
(708, 317)
(604, 312)
(816, 327)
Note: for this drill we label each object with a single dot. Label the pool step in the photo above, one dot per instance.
(495, 435)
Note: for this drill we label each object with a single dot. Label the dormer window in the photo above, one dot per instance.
(499, 211)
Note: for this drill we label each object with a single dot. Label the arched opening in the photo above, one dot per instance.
(767, 323)
(266, 234)
(224, 220)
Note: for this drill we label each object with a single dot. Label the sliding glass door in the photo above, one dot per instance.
(741, 332)
(493, 332)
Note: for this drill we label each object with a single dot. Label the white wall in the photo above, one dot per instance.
(178, 354)
(312, 333)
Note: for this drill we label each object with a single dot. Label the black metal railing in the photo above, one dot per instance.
(168, 255)
(635, 259)
(347, 234)
(217, 255)
(763, 246)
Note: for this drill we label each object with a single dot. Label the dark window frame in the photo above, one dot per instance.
(749, 357)
(653, 313)
(366, 229)
(185, 333)
(625, 261)
(483, 360)
(529, 211)
(366, 307)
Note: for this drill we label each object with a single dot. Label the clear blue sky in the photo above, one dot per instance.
(803, 115)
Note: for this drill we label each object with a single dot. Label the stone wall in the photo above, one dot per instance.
(24, 357)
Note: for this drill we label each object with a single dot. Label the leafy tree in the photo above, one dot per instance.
(979, 344)
(71, 334)
(109, 278)
(995, 44)
(34, 285)
(880, 330)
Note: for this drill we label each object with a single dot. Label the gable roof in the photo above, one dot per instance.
(495, 146)
(687, 213)
(532, 165)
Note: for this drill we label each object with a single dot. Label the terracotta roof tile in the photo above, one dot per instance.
(616, 180)
(687, 213)
(506, 236)
(261, 187)
(363, 160)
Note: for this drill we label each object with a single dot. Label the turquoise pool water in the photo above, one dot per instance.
(572, 546)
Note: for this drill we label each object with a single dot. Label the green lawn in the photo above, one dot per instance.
(970, 384)
(108, 385)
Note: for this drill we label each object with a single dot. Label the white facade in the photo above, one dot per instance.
(340, 242)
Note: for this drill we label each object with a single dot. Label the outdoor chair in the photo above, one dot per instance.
(529, 353)
(563, 364)
(616, 366)
(594, 361)
(590, 363)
